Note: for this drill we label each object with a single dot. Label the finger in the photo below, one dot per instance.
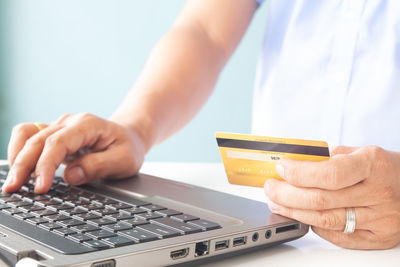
(19, 135)
(335, 150)
(334, 219)
(115, 162)
(84, 133)
(24, 163)
(340, 171)
(291, 196)
(360, 239)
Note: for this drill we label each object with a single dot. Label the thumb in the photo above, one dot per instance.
(90, 167)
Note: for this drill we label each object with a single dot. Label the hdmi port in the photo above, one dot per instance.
(179, 254)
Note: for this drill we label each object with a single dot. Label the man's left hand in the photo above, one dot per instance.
(317, 193)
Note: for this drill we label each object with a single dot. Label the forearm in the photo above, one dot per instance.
(177, 79)
(184, 67)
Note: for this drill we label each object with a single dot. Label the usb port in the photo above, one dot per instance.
(238, 241)
(221, 244)
(179, 254)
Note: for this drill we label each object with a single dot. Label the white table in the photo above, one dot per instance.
(309, 250)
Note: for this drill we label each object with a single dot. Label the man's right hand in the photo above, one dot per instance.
(91, 147)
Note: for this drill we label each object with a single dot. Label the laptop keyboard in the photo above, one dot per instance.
(72, 220)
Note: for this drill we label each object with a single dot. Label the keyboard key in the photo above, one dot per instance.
(148, 216)
(136, 221)
(79, 237)
(75, 210)
(57, 217)
(40, 197)
(50, 226)
(184, 228)
(106, 201)
(89, 196)
(101, 221)
(119, 226)
(118, 241)
(69, 198)
(32, 208)
(44, 212)
(21, 203)
(119, 205)
(121, 216)
(63, 206)
(134, 210)
(105, 211)
(168, 212)
(92, 206)
(64, 231)
(23, 216)
(83, 228)
(99, 234)
(86, 216)
(12, 211)
(47, 202)
(205, 225)
(138, 203)
(80, 202)
(184, 217)
(37, 220)
(154, 207)
(70, 222)
(11, 198)
(160, 231)
(139, 235)
(97, 244)
(4, 206)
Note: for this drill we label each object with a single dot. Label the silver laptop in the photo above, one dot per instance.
(142, 220)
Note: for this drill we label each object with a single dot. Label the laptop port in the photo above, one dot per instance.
(106, 263)
(238, 241)
(179, 254)
(202, 248)
(255, 237)
(287, 228)
(221, 244)
(268, 234)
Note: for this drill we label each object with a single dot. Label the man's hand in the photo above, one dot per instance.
(91, 147)
(317, 193)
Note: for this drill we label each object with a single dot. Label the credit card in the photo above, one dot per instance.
(250, 160)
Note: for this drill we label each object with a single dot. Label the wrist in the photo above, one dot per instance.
(140, 129)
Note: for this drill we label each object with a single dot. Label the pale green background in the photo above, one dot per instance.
(83, 55)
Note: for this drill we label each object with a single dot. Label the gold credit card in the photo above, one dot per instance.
(250, 160)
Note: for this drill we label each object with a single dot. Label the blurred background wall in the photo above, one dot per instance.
(60, 56)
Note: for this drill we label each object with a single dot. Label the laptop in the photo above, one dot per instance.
(142, 220)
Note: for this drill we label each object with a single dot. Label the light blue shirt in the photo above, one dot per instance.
(330, 70)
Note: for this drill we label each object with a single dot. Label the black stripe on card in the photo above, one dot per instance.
(274, 147)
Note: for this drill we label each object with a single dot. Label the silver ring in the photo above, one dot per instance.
(350, 221)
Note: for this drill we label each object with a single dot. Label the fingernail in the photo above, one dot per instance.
(38, 184)
(4, 185)
(8, 182)
(280, 170)
(75, 176)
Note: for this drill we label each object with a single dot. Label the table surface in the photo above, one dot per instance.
(309, 250)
